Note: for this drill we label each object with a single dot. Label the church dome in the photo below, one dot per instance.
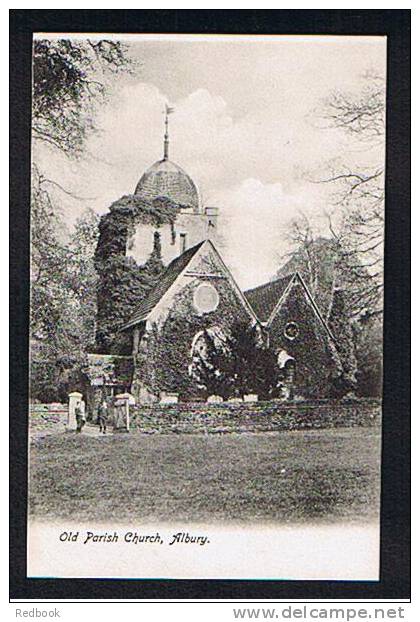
(166, 179)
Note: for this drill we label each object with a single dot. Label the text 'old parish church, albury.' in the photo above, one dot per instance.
(164, 289)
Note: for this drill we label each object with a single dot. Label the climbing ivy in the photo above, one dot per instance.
(164, 358)
(122, 282)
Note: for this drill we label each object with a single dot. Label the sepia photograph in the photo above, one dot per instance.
(206, 306)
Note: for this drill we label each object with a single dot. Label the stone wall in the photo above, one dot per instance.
(201, 418)
(47, 420)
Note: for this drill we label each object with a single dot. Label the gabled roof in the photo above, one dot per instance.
(264, 298)
(267, 299)
(169, 277)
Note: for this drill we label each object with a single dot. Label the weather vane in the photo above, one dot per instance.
(168, 111)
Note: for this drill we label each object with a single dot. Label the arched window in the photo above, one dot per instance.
(284, 359)
(199, 347)
(200, 341)
(287, 366)
(199, 344)
(182, 242)
(203, 340)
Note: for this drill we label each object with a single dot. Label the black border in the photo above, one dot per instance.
(395, 516)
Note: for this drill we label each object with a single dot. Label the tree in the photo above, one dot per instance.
(341, 326)
(360, 114)
(69, 80)
(209, 365)
(359, 244)
(368, 349)
(301, 235)
(49, 262)
(63, 301)
(336, 261)
(237, 365)
(82, 276)
(356, 219)
(314, 257)
(349, 258)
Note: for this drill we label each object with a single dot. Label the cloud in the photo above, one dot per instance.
(253, 223)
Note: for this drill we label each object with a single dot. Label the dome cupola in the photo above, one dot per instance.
(166, 179)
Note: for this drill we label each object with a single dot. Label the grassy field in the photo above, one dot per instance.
(285, 477)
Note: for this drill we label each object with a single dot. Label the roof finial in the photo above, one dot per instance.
(168, 111)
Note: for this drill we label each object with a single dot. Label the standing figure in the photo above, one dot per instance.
(80, 416)
(103, 416)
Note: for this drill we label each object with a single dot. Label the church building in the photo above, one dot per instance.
(197, 294)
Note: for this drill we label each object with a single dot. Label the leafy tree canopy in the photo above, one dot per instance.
(68, 80)
(236, 364)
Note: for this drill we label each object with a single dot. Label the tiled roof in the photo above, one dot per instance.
(264, 298)
(167, 279)
(166, 179)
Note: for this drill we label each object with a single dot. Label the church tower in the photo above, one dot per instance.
(193, 224)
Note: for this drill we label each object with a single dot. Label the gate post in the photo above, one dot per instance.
(75, 398)
(122, 404)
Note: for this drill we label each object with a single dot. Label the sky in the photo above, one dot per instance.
(246, 128)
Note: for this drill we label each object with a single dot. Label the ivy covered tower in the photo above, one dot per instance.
(193, 224)
(141, 233)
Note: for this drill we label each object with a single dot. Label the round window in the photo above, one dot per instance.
(206, 298)
(291, 331)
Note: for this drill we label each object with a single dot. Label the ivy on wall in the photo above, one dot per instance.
(317, 362)
(165, 350)
(122, 282)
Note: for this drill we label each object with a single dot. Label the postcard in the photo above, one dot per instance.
(206, 322)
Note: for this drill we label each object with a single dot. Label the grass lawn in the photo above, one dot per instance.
(283, 477)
